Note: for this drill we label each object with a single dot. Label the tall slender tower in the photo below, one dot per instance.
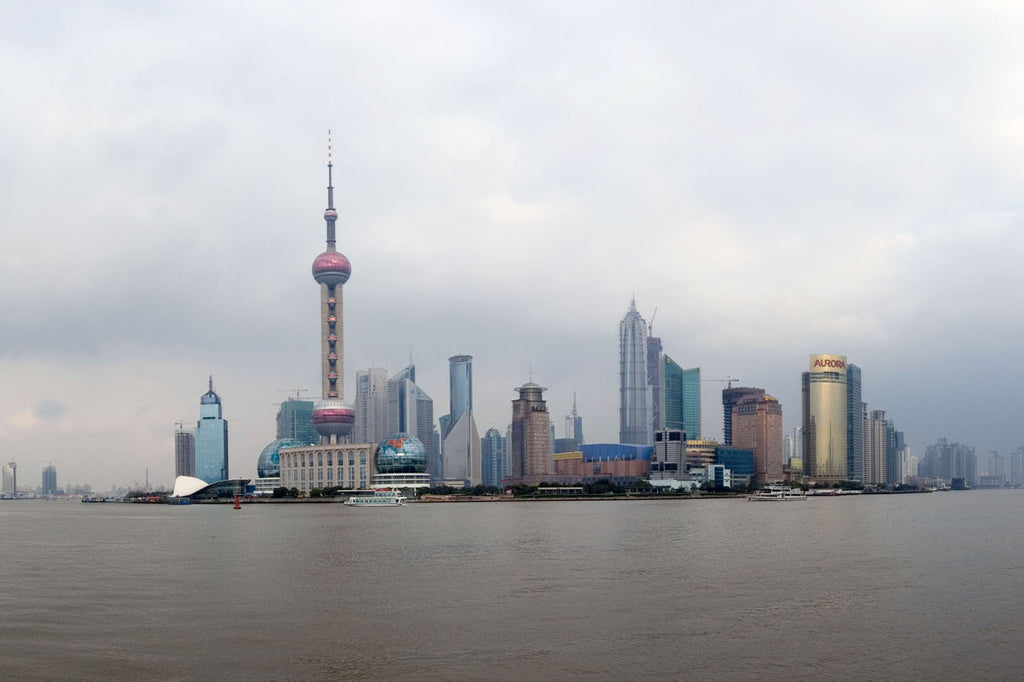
(333, 419)
(635, 424)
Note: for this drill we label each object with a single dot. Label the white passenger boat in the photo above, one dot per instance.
(777, 493)
(380, 498)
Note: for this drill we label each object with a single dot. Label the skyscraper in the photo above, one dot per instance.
(211, 443)
(492, 457)
(654, 379)
(411, 410)
(731, 397)
(635, 425)
(372, 406)
(332, 417)
(757, 425)
(50, 480)
(680, 398)
(460, 441)
(184, 452)
(531, 438)
(854, 425)
(574, 425)
(295, 421)
(874, 461)
(7, 485)
(824, 418)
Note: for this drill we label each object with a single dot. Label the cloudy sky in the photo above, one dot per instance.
(776, 178)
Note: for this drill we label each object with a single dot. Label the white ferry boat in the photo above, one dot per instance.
(777, 493)
(380, 498)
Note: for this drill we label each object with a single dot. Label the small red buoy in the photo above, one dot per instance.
(238, 502)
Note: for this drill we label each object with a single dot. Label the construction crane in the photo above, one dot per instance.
(298, 392)
(650, 325)
(727, 380)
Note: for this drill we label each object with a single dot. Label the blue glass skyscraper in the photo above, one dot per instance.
(680, 398)
(211, 439)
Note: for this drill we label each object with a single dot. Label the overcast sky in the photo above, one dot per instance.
(777, 178)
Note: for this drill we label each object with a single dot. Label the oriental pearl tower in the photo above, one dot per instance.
(332, 418)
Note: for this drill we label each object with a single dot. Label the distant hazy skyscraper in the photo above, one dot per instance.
(635, 424)
(531, 439)
(854, 425)
(372, 406)
(824, 418)
(184, 453)
(7, 485)
(492, 457)
(50, 480)
(211, 439)
(574, 424)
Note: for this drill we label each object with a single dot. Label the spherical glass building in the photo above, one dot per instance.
(269, 463)
(403, 453)
(401, 462)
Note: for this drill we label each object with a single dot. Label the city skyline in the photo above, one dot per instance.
(869, 196)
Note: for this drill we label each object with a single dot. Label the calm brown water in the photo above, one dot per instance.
(897, 587)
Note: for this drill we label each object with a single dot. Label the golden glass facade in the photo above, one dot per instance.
(824, 418)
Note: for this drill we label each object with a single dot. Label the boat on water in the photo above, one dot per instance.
(380, 498)
(777, 493)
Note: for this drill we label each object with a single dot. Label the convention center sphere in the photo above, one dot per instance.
(269, 463)
(402, 453)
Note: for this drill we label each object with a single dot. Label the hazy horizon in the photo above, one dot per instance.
(777, 180)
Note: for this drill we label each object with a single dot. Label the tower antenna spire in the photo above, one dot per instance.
(330, 215)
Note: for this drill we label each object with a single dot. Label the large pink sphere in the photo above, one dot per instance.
(332, 417)
(331, 268)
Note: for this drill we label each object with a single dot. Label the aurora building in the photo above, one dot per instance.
(825, 418)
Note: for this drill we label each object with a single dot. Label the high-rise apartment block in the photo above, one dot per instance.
(531, 436)
(635, 425)
(184, 453)
(825, 418)
(954, 464)
(875, 460)
(757, 425)
(211, 439)
(855, 428)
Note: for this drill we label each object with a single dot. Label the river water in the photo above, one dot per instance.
(901, 587)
